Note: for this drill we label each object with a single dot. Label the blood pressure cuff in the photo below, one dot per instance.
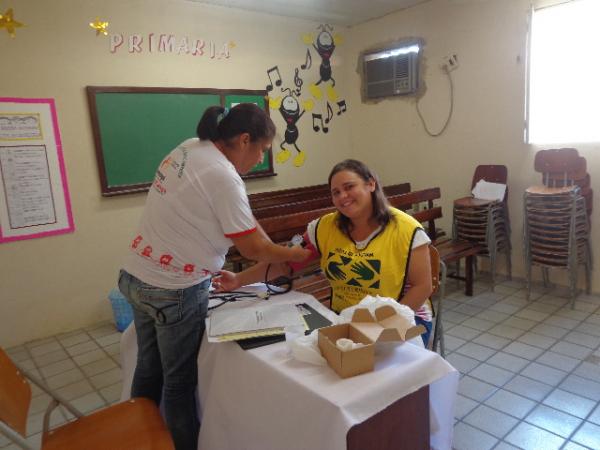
(314, 254)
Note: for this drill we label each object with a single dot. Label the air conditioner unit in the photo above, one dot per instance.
(393, 71)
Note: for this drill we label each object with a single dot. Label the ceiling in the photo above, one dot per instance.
(335, 12)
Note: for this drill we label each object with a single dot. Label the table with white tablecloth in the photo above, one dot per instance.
(265, 399)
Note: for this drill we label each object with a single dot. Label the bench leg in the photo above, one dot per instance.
(469, 275)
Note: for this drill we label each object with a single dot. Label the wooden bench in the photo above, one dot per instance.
(285, 196)
(312, 200)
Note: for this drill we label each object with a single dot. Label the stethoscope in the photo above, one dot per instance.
(234, 296)
(273, 288)
(279, 286)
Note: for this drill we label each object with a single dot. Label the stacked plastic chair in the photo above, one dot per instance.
(485, 222)
(556, 218)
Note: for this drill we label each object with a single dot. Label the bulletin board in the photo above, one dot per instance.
(134, 128)
(34, 194)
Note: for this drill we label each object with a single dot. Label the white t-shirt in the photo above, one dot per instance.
(195, 205)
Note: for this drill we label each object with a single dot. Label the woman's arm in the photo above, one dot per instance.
(230, 281)
(419, 277)
(258, 247)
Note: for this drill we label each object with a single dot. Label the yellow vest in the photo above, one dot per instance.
(378, 269)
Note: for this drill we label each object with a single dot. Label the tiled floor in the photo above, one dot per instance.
(530, 371)
(83, 366)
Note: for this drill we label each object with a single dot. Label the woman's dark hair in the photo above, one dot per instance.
(381, 211)
(218, 123)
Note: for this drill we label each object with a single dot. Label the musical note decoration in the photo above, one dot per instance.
(7, 21)
(341, 107)
(319, 118)
(273, 70)
(329, 113)
(308, 63)
(298, 82)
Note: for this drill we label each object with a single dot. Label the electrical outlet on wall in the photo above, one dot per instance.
(450, 62)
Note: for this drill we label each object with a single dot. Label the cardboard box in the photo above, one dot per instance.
(364, 328)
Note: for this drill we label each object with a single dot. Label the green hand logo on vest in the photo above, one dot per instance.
(364, 273)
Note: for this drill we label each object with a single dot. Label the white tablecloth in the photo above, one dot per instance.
(264, 399)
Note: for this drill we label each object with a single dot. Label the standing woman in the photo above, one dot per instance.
(365, 248)
(196, 209)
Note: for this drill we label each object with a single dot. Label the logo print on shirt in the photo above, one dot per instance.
(136, 241)
(361, 273)
(165, 260)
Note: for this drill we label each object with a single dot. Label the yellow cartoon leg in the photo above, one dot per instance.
(283, 156)
(331, 94)
(299, 159)
(315, 91)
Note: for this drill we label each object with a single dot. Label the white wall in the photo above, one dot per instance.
(56, 284)
(489, 38)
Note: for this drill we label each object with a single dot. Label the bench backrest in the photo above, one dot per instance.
(273, 198)
(311, 203)
(282, 228)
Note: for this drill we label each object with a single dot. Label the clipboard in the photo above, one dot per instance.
(313, 319)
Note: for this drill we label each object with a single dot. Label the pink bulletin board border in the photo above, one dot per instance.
(63, 172)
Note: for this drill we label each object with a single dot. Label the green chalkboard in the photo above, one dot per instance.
(135, 127)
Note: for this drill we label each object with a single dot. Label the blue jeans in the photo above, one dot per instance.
(425, 336)
(169, 324)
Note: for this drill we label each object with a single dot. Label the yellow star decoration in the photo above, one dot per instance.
(232, 44)
(100, 27)
(7, 21)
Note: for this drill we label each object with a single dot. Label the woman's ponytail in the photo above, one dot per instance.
(208, 127)
(223, 124)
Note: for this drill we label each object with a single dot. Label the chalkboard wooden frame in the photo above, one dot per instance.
(266, 167)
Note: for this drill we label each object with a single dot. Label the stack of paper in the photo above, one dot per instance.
(242, 323)
(485, 190)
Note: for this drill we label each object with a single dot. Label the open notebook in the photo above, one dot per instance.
(313, 320)
(238, 323)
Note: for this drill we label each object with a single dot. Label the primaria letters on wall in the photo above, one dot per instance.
(169, 43)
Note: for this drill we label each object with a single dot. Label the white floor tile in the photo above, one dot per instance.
(570, 403)
(468, 438)
(530, 437)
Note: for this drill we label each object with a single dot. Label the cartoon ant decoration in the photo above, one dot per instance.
(324, 44)
(290, 111)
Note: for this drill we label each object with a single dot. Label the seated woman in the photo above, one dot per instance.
(365, 248)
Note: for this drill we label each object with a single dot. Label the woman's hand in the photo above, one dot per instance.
(226, 281)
